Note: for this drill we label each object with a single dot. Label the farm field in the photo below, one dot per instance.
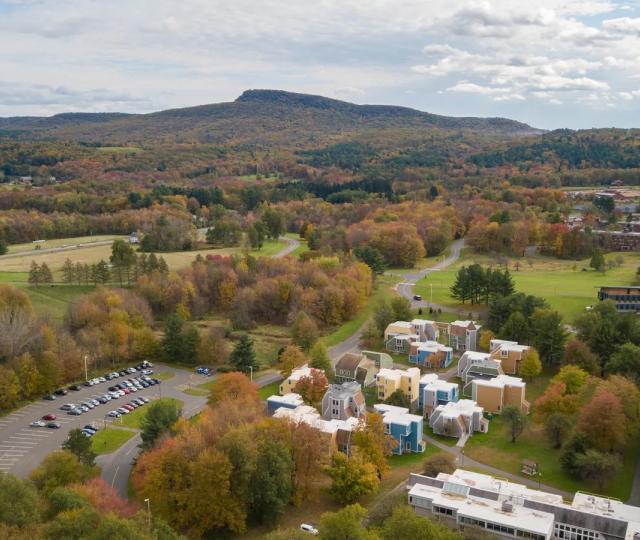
(90, 255)
(563, 284)
(60, 242)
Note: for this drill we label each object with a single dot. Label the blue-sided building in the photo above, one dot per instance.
(430, 354)
(288, 401)
(404, 427)
(434, 391)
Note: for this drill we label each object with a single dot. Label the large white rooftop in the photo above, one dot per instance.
(500, 381)
(311, 417)
(433, 346)
(397, 374)
(432, 381)
(288, 399)
(453, 409)
(298, 373)
(396, 415)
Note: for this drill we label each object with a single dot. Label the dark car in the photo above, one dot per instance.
(113, 388)
(75, 412)
(75, 388)
(50, 397)
(61, 392)
(417, 297)
(54, 425)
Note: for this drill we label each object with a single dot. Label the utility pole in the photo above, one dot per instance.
(148, 501)
(86, 372)
(251, 373)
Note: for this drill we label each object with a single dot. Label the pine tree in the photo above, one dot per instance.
(243, 355)
(79, 273)
(35, 278)
(45, 273)
(103, 274)
(163, 267)
(68, 272)
(172, 342)
(460, 290)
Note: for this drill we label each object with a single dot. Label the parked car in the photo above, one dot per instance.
(309, 528)
(88, 405)
(123, 410)
(68, 406)
(74, 387)
(417, 297)
(50, 397)
(113, 414)
(54, 425)
(49, 416)
(37, 423)
(60, 392)
(75, 412)
(92, 426)
(83, 408)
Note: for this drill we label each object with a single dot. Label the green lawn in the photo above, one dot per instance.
(269, 390)
(384, 291)
(563, 284)
(132, 420)
(495, 448)
(110, 439)
(164, 375)
(53, 299)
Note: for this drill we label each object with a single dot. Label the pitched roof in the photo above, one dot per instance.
(349, 361)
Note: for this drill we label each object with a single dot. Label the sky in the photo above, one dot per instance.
(549, 63)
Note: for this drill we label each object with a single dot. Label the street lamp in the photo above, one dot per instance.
(148, 501)
(251, 373)
(462, 454)
(86, 372)
(539, 476)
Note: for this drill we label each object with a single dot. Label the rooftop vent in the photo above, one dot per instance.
(507, 506)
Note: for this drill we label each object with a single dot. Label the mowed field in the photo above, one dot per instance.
(93, 254)
(564, 284)
(61, 242)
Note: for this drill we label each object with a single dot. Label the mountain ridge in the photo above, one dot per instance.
(256, 116)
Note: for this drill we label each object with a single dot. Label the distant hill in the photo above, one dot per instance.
(257, 117)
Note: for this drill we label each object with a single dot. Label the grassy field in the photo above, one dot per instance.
(132, 420)
(495, 448)
(90, 255)
(384, 291)
(110, 439)
(563, 284)
(60, 242)
(269, 390)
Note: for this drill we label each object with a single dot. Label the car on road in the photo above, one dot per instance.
(37, 423)
(54, 425)
(309, 528)
(49, 416)
(68, 407)
(60, 392)
(75, 412)
(417, 297)
(50, 397)
(75, 388)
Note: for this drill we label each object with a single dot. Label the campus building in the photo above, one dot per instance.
(467, 500)
(477, 365)
(389, 381)
(404, 427)
(463, 335)
(434, 391)
(459, 419)
(343, 401)
(627, 299)
(287, 385)
(510, 354)
(288, 401)
(430, 354)
(493, 395)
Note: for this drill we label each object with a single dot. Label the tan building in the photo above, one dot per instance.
(509, 353)
(407, 380)
(493, 395)
(287, 386)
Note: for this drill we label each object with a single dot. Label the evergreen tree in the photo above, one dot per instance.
(122, 258)
(163, 267)
(319, 359)
(597, 260)
(35, 277)
(243, 355)
(103, 275)
(172, 342)
(45, 273)
(255, 234)
(371, 257)
(516, 328)
(81, 446)
(68, 272)
(271, 483)
(79, 273)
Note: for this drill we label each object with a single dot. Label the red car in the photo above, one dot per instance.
(126, 390)
(49, 417)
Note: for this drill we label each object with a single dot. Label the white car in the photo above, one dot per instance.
(113, 414)
(309, 528)
(122, 410)
(38, 423)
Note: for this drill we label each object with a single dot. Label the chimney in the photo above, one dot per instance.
(507, 506)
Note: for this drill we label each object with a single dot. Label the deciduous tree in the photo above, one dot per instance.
(530, 365)
(516, 420)
(312, 388)
(159, 419)
(80, 445)
(352, 476)
(606, 431)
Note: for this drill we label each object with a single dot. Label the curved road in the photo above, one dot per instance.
(405, 289)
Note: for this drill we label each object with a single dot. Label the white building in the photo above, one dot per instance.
(505, 509)
(458, 419)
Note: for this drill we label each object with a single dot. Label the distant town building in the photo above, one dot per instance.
(626, 298)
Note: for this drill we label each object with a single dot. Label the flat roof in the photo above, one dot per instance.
(500, 381)
(397, 415)
(479, 508)
(288, 399)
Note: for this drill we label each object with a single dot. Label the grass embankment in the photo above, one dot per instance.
(269, 390)
(132, 420)
(496, 449)
(563, 284)
(110, 439)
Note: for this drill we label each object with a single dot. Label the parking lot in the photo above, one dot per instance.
(23, 447)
